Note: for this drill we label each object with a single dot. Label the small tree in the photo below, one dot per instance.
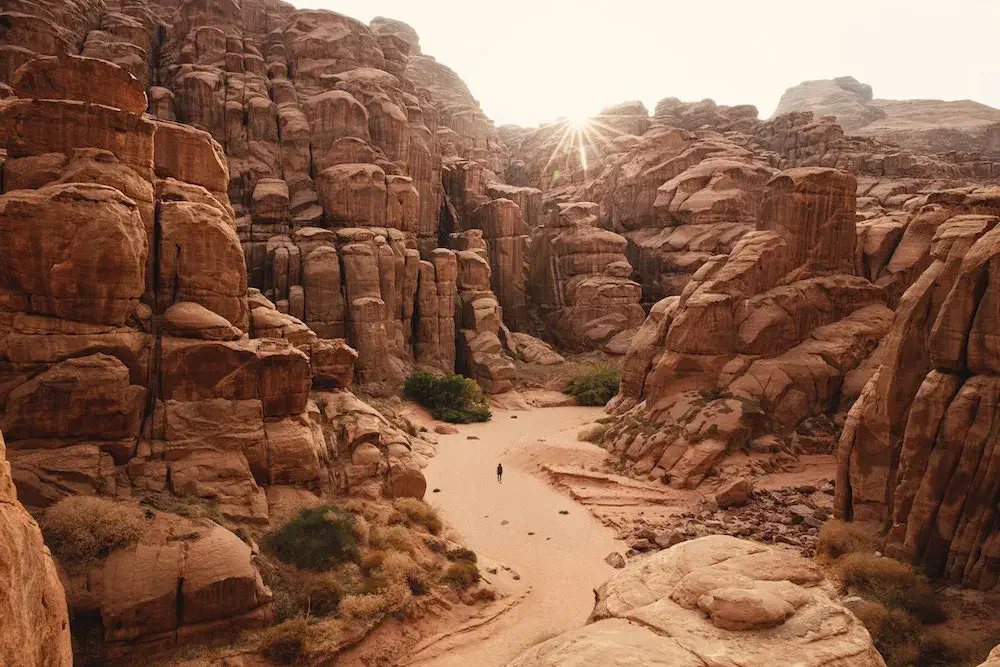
(595, 386)
(451, 398)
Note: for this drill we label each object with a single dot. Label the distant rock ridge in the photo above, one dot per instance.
(934, 126)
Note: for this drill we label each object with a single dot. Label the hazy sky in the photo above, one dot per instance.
(529, 61)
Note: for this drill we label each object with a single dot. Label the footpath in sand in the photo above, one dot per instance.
(558, 557)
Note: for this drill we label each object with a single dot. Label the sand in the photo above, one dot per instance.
(559, 565)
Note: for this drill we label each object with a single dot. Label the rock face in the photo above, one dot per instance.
(32, 602)
(580, 279)
(758, 341)
(917, 451)
(932, 126)
(714, 600)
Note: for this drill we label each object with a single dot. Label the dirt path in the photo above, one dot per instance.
(558, 565)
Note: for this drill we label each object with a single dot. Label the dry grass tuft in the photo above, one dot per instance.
(461, 575)
(420, 513)
(82, 529)
(893, 584)
(393, 537)
(839, 538)
(376, 606)
(286, 643)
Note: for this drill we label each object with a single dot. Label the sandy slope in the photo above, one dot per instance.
(559, 564)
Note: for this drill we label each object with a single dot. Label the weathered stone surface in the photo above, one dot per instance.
(180, 580)
(32, 603)
(74, 251)
(714, 599)
(916, 449)
(579, 279)
(70, 77)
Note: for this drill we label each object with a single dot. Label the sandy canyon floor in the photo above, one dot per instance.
(521, 527)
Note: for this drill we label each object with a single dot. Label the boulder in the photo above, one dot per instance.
(714, 599)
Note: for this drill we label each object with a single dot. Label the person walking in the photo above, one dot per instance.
(499, 472)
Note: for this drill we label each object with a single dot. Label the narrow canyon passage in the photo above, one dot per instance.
(561, 562)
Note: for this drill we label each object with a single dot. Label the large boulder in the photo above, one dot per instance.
(714, 600)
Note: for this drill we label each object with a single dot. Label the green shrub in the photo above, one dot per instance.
(595, 386)
(461, 575)
(838, 538)
(81, 529)
(285, 643)
(451, 398)
(316, 539)
(893, 584)
(420, 513)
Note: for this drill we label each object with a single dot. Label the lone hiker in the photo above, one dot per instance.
(499, 472)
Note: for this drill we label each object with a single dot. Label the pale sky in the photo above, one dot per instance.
(530, 61)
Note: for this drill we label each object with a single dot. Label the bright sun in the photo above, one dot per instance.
(579, 121)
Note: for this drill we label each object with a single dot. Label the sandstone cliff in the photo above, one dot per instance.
(35, 629)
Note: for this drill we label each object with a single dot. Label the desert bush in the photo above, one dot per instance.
(594, 386)
(839, 538)
(420, 513)
(362, 530)
(285, 643)
(893, 584)
(417, 584)
(944, 647)
(461, 554)
(895, 633)
(319, 593)
(81, 529)
(317, 539)
(594, 433)
(393, 537)
(451, 398)
(461, 575)
(377, 605)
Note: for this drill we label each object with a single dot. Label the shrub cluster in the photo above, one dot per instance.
(317, 539)
(595, 386)
(899, 603)
(893, 584)
(451, 398)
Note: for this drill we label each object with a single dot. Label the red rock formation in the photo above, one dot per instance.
(758, 341)
(35, 628)
(916, 452)
(580, 280)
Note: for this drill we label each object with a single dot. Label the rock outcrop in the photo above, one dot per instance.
(181, 584)
(131, 350)
(917, 453)
(35, 628)
(580, 280)
(758, 341)
(714, 600)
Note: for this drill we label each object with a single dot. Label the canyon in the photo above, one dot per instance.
(232, 232)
